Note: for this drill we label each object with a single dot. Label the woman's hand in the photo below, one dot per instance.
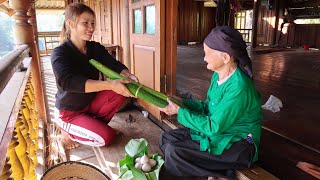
(171, 109)
(119, 87)
(133, 77)
(309, 168)
(126, 73)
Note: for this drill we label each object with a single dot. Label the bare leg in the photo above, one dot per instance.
(68, 143)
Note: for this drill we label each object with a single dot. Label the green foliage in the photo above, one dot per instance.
(136, 148)
(6, 34)
(137, 89)
(49, 22)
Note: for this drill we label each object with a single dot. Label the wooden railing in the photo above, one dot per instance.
(10, 63)
(21, 145)
(47, 42)
(246, 34)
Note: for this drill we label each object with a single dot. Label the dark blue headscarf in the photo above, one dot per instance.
(228, 40)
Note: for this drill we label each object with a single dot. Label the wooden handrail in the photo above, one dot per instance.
(9, 122)
(10, 63)
(45, 40)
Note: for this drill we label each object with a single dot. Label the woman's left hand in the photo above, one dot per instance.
(171, 109)
(133, 77)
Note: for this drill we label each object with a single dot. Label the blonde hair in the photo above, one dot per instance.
(72, 12)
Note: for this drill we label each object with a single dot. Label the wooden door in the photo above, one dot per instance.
(147, 48)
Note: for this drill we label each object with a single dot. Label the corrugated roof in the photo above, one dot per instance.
(50, 4)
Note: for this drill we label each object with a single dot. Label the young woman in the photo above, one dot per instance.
(221, 133)
(85, 103)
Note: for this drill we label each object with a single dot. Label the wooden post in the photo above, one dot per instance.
(33, 22)
(256, 8)
(23, 33)
(125, 33)
(276, 26)
(171, 46)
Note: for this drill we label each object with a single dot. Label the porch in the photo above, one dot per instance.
(280, 72)
(288, 136)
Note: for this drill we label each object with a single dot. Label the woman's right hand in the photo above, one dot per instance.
(119, 87)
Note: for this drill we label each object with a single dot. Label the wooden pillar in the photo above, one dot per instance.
(256, 8)
(223, 13)
(125, 33)
(277, 13)
(33, 22)
(171, 46)
(23, 33)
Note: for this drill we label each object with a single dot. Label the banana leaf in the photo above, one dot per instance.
(137, 89)
(137, 148)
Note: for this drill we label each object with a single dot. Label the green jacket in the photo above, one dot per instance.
(231, 111)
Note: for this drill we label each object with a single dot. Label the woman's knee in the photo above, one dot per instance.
(111, 97)
(171, 150)
(108, 136)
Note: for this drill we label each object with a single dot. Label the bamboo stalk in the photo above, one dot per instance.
(139, 90)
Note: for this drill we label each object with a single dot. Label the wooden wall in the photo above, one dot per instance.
(103, 9)
(296, 35)
(194, 21)
(112, 25)
(307, 34)
(267, 24)
(207, 21)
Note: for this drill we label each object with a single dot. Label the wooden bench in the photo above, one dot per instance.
(255, 173)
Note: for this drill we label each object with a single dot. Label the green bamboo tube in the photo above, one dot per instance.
(144, 92)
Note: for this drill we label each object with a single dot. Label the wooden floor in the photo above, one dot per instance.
(293, 76)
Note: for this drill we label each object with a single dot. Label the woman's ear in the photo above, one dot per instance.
(226, 58)
(69, 23)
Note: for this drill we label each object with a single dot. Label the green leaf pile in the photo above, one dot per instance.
(137, 148)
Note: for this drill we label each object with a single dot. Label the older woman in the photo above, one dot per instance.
(221, 133)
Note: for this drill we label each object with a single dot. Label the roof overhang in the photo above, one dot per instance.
(50, 4)
(4, 7)
(42, 7)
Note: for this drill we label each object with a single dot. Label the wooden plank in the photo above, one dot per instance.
(171, 47)
(10, 63)
(124, 55)
(106, 158)
(9, 122)
(2, 1)
(255, 173)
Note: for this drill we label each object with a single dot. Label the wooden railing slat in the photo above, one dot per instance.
(10, 123)
(10, 63)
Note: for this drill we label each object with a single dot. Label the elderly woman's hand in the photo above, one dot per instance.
(171, 109)
(133, 77)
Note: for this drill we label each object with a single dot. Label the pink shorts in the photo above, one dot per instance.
(90, 125)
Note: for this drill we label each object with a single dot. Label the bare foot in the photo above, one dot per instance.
(68, 143)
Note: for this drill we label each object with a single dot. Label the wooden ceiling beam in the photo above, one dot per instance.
(4, 7)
